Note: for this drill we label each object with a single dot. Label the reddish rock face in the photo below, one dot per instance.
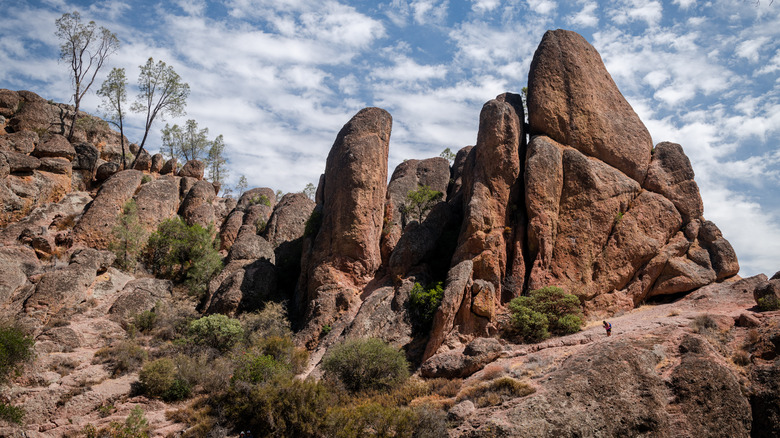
(196, 207)
(573, 100)
(408, 177)
(671, 175)
(94, 228)
(345, 253)
(192, 168)
(288, 221)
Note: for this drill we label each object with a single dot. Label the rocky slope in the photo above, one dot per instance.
(578, 198)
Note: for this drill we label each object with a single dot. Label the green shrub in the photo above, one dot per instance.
(313, 223)
(217, 331)
(128, 237)
(423, 303)
(262, 199)
(15, 350)
(281, 407)
(258, 368)
(161, 379)
(545, 311)
(366, 364)
(144, 321)
(271, 321)
(184, 253)
(11, 414)
(145, 179)
(135, 426)
(768, 303)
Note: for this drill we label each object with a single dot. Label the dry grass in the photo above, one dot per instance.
(674, 312)
(492, 372)
(495, 392)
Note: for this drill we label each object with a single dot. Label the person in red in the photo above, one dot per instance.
(608, 328)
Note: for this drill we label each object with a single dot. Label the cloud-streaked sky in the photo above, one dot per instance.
(279, 78)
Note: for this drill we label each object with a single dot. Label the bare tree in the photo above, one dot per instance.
(162, 93)
(85, 48)
(114, 94)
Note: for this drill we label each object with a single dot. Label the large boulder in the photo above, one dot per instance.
(23, 142)
(16, 264)
(20, 163)
(288, 221)
(573, 100)
(68, 286)
(192, 169)
(196, 207)
(54, 145)
(140, 295)
(345, 252)
(157, 201)
(243, 286)
(671, 175)
(96, 225)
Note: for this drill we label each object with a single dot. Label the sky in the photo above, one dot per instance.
(278, 79)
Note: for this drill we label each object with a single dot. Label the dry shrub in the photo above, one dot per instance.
(198, 415)
(752, 338)
(434, 401)
(741, 358)
(204, 373)
(445, 387)
(121, 357)
(492, 372)
(674, 312)
(495, 392)
(703, 324)
(172, 320)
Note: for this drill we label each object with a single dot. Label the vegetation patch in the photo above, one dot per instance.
(496, 391)
(544, 312)
(366, 364)
(423, 303)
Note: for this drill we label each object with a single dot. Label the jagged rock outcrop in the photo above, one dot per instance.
(344, 254)
(157, 201)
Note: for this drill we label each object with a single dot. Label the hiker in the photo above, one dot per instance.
(241, 435)
(608, 328)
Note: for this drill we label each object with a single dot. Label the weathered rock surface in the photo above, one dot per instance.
(140, 295)
(345, 252)
(68, 286)
(196, 207)
(23, 142)
(288, 221)
(94, 228)
(462, 362)
(54, 145)
(157, 201)
(243, 286)
(573, 100)
(671, 175)
(192, 169)
(407, 177)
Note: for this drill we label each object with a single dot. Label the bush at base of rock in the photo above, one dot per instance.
(184, 253)
(217, 331)
(366, 364)
(495, 392)
(545, 311)
(135, 426)
(11, 414)
(15, 349)
(768, 303)
(161, 379)
(423, 303)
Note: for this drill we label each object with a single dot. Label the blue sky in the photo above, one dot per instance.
(279, 78)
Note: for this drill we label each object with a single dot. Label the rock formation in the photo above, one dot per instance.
(344, 252)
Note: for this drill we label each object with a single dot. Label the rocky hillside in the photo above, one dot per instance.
(578, 197)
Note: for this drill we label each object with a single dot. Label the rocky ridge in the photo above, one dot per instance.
(578, 198)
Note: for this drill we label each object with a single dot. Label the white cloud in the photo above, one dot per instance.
(429, 11)
(627, 11)
(542, 7)
(684, 4)
(408, 70)
(749, 49)
(482, 6)
(586, 17)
